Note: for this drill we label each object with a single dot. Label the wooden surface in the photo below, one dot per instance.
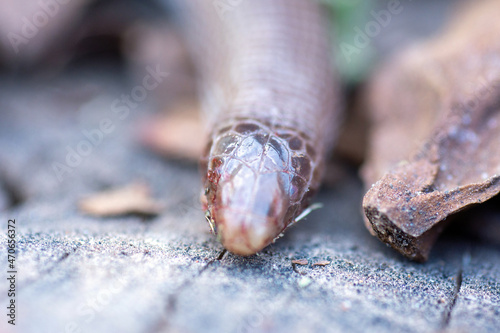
(131, 274)
(168, 274)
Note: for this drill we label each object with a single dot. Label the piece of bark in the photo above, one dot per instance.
(435, 143)
(131, 199)
(321, 263)
(300, 262)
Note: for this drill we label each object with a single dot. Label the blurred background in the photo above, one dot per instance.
(47, 37)
(68, 129)
(61, 59)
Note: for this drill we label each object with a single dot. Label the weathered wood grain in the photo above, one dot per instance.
(83, 274)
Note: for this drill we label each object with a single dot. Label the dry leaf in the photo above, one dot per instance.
(134, 198)
(434, 147)
(300, 262)
(178, 134)
(321, 263)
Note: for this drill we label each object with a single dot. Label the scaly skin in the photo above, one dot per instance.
(270, 99)
(259, 179)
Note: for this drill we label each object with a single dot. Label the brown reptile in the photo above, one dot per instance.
(271, 98)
